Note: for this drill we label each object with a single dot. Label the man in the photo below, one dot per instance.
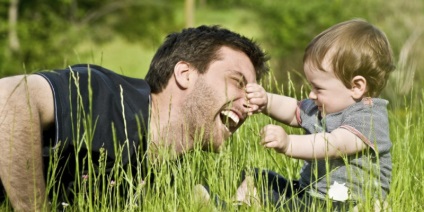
(193, 95)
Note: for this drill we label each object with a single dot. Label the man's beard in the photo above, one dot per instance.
(200, 110)
(195, 126)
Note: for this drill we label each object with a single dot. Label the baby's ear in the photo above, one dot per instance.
(359, 87)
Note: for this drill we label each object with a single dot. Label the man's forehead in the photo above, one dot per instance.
(236, 62)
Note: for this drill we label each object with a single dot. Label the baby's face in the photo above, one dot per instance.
(328, 92)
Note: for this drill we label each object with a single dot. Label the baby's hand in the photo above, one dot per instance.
(275, 137)
(257, 98)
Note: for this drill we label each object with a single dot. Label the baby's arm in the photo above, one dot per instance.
(338, 143)
(278, 107)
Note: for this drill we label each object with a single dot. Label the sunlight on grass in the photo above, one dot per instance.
(123, 57)
(175, 180)
(125, 190)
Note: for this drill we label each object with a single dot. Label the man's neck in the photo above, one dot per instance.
(165, 123)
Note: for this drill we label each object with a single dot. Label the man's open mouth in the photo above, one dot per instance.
(230, 120)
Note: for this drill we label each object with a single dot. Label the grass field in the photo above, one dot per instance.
(221, 171)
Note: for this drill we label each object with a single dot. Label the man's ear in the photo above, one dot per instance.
(359, 87)
(182, 74)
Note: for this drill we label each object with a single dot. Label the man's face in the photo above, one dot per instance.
(216, 107)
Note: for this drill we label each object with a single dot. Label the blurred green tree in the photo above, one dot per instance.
(38, 34)
(288, 26)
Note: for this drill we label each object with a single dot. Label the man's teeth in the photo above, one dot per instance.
(232, 116)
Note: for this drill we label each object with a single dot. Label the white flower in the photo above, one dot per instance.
(338, 192)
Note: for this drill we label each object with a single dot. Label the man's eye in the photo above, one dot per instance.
(240, 83)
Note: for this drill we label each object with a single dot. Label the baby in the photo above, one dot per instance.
(346, 145)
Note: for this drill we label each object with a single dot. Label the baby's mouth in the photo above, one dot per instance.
(230, 120)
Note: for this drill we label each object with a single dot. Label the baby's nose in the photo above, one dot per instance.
(312, 95)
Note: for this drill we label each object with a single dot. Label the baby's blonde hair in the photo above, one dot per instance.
(357, 48)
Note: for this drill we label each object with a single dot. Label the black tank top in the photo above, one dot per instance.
(98, 110)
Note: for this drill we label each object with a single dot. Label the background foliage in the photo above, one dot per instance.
(50, 31)
(54, 34)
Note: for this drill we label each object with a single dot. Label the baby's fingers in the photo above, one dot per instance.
(253, 87)
(252, 109)
(273, 136)
(268, 139)
(268, 135)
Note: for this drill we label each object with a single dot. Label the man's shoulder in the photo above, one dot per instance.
(97, 73)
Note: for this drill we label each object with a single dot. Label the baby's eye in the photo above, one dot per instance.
(315, 88)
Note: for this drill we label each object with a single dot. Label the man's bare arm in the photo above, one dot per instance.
(26, 108)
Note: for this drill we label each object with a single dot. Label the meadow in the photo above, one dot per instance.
(221, 171)
(175, 180)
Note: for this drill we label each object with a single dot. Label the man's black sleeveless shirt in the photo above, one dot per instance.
(98, 110)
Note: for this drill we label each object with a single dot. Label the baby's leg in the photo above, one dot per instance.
(274, 188)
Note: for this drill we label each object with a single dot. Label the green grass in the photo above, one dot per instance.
(221, 171)
(408, 159)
